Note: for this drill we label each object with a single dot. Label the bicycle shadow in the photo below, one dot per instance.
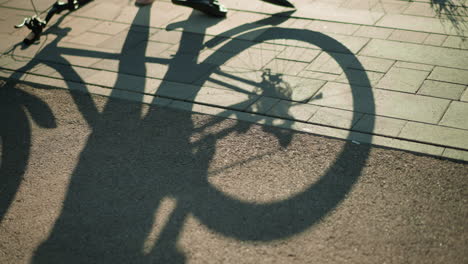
(130, 164)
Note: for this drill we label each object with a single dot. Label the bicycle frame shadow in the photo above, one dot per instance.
(131, 163)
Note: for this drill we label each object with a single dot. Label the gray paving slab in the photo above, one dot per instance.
(225, 98)
(449, 75)
(353, 43)
(232, 78)
(373, 32)
(239, 20)
(118, 41)
(127, 95)
(408, 36)
(356, 4)
(292, 110)
(319, 75)
(69, 73)
(416, 147)
(299, 54)
(326, 11)
(104, 11)
(456, 42)
(456, 116)
(357, 77)
(420, 9)
(387, 103)
(418, 23)
(455, 154)
(405, 80)
(465, 96)
(119, 81)
(41, 5)
(89, 39)
(416, 53)
(294, 88)
(252, 59)
(109, 28)
(80, 25)
(391, 7)
(263, 105)
(442, 89)
(435, 39)
(414, 66)
(332, 27)
(444, 136)
(281, 65)
(161, 15)
(335, 117)
(379, 125)
(372, 64)
(326, 63)
(13, 62)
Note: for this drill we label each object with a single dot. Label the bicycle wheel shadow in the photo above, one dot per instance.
(16, 109)
(130, 164)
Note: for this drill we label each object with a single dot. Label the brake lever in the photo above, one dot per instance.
(23, 23)
(36, 25)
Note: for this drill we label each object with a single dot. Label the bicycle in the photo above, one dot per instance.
(37, 25)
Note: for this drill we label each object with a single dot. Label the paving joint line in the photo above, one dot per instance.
(336, 81)
(444, 113)
(249, 93)
(247, 112)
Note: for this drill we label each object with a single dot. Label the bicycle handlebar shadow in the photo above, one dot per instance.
(131, 163)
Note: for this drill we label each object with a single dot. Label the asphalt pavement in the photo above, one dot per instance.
(93, 179)
(332, 133)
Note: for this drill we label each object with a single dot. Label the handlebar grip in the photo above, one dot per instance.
(25, 20)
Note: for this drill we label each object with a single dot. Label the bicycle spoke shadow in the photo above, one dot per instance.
(130, 164)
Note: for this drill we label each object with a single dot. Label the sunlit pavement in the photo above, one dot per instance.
(225, 160)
